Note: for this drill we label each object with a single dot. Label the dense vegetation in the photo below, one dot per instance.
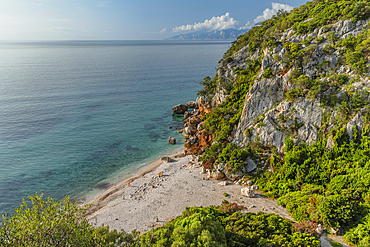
(316, 183)
(62, 223)
(303, 19)
(56, 223)
(225, 226)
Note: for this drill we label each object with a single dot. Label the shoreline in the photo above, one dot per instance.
(101, 199)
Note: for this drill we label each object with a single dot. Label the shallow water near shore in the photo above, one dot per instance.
(76, 117)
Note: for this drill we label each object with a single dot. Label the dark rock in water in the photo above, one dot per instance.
(179, 109)
(153, 136)
(115, 145)
(191, 104)
(130, 148)
(156, 119)
(171, 140)
(149, 126)
(166, 159)
(103, 186)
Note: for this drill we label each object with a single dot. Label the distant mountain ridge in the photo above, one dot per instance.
(227, 34)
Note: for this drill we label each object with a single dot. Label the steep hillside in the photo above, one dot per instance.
(291, 97)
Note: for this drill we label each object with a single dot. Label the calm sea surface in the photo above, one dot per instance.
(75, 116)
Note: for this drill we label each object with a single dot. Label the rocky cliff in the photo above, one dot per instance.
(297, 76)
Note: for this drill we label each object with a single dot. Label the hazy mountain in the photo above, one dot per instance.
(228, 34)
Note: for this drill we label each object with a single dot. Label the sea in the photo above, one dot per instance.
(79, 116)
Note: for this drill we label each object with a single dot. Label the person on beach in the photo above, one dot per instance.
(129, 184)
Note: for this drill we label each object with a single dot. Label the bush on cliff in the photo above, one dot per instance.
(55, 223)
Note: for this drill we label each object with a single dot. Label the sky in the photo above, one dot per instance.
(129, 19)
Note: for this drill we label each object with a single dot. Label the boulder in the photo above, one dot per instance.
(251, 165)
(319, 229)
(215, 174)
(247, 191)
(171, 140)
(188, 131)
(166, 159)
(179, 109)
(223, 183)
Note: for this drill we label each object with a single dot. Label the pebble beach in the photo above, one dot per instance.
(163, 190)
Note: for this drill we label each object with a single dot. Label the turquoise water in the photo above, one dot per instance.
(74, 114)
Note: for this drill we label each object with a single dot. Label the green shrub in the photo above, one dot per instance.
(234, 157)
(292, 94)
(268, 73)
(360, 235)
(196, 227)
(55, 223)
(212, 227)
(209, 86)
(229, 59)
(320, 40)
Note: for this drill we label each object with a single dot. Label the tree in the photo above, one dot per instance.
(55, 223)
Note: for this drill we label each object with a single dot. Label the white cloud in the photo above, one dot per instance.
(215, 23)
(164, 30)
(268, 13)
(67, 29)
(247, 25)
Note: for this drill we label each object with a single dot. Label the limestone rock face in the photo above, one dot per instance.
(355, 122)
(204, 104)
(267, 114)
